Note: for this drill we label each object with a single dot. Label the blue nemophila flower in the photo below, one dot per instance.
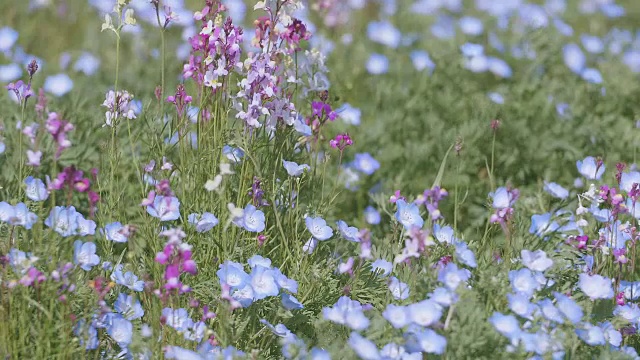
(425, 312)
(591, 335)
(592, 44)
(408, 215)
(536, 260)
(591, 75)
(595, 286)
(84, 255)
(18, 215)
(569, 308)
(499, 67)
(452, 277)
(549, 311)
(395, 351)
(252, 219)
(397, 316)
(628, 179)
(36, 190)
(10, 72)
(399, 290)
(165, 208)
(471, 25)
(128, 306)
(520, 305)
(244, 295)
(502, 198)
(116, 232)
(629, 312)
(128, 279)
(364, 348)
(58, 85)
(421, 61)
(347, 312)
(443, 296)
(601, 215)
(382, 267)
(425, 340)
(574, 58)
(611, 335)
(365, 163)
(350, 233)
(8, 38)
(371, 215)
(444, 27)
(87, 334)
(290, 302)
(630, 289)
(384, 33)
(590, 168)
(85, 226)
(377, 64)
(87, 63)
(257, 260)
(523, 281)
(318, 228)
(542, 225)
(294, 169)
(178, 319)
(496, 97)
(263, 283)
(465, 255)
(196, 331)
(507, 325)
(556, 190)
(351, 115)
(284, 282)
(444, 234)
(232, 274)
(204, 222)
(20, 261)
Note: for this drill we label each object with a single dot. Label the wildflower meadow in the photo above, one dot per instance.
(319, 179)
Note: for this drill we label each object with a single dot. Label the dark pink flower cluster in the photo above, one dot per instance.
(176, 257)
(72, 180)
(58, 128)
(341, 141)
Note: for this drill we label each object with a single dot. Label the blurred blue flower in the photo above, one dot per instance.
(425, 312)
(244, 295)
(349, 233)
(465, 255)
(471, 25)
(364, 348)
(399, 290)
(592, 75)
(87, 63)
(574, 58)
(349, 114)
(294, 169)
(84, 255)
(178, 319)
(592, 44)
(347, 312)
(58, 85)
(425, 340)
(595, 286)
(257, 260)
(556, 190)
(252, 219)
(384, 33)
(562, 27)
(381, 266)
(452, 277)
(8, 38)
(444, 27)
(523, 282)
(443, 296)
(444, 234)
(507, 325)
(377, 64)
(421, 61)
(496, 97)
(165, 208)
(232, 274)
(589, 168)
(371, 215)
(263, 283)
(128, 306)
(550, 312)
(408, 215)
(568, 307)
(397, 316)
(520, 305)
(591, 335)
(290, 302)
(63, 220)
(115, 232)
(10, 72)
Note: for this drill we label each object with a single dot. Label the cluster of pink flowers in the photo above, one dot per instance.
(176, 257)
(341, 142)
(431, 199)
(72, 180)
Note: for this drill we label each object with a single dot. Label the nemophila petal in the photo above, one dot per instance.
(536, 260)
(444, 234)
(452, 277)
(569, 308)
(556, 190)
(502, 198)
(381, 267)
(204, 222)
(562, 27)
(377, 64)
(232, 274)
(294, 169)
(523, 281)
(349, 233)
(128, 279)
(3, 147)
(371, 215)
(10, 72)
(630, 58)
(36, 189)
(408, 215)
(425, 313)
(349, 114)
(165, 208)
(318, 228)
(365, 163)
(465, 255)
(471, 49)
(507, 325)
(520, 305)
(629, 312)
(121, 331)
(592, 75)
(574, 58)
(363, 347)
(591, 335)
(128, 306)
(397, 316)
(233, 154)
(244, 295)
(611, 335)
(549, 311)
(628, 179)
(601, 215)
(253, 220)
(384, 33)
(421, 60)
(499, 67)
(471, 25)
(496, 97)
(84, 255)
(592, 44)
(589, 168)
(443, 28)
(115, 232)
(85, 226)
(595, 286)
(63, 220)
(399, 290)
(443, 296)
(257, 260)
(284, 282)
(58, 85)
(290, 302)
(310, 245)
(178, 319)
(425, 340)
(263, 283)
